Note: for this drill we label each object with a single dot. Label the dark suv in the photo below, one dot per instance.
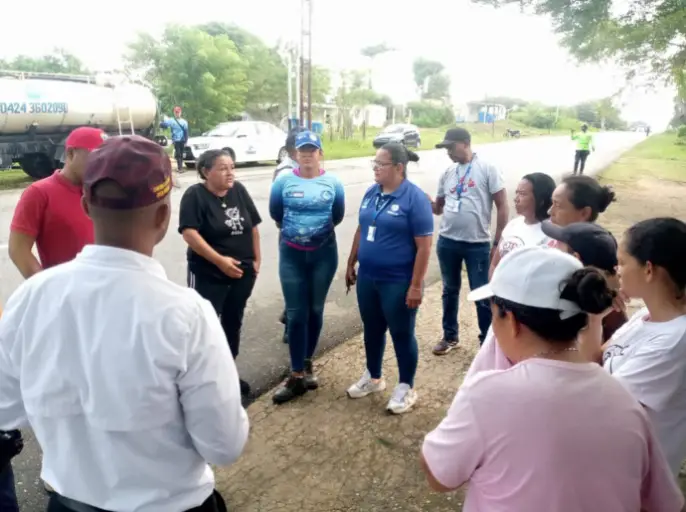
(407, 134)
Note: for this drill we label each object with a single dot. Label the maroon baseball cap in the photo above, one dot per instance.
(85, 137)
(139, 166)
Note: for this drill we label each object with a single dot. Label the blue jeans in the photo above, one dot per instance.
(382, 306)
(305, 280)
(476, 257)
(8, 494)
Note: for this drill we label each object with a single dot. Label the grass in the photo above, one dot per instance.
(658, 157)
(481, 133)
(14, 178)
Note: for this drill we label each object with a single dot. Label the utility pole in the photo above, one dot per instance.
(306, 62)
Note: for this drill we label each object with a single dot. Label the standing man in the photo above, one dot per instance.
(125, 377)
(584, 146)
(287, 165)
(466, 193)
(49, 213)
(179, 134)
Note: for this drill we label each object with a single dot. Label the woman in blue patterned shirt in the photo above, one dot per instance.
(307, 203)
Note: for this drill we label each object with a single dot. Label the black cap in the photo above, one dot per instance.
(594, 244)
(290, 139)
(455, 135)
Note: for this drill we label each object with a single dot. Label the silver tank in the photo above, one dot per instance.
(55, 103)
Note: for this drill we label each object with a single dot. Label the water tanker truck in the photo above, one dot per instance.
(38, 110)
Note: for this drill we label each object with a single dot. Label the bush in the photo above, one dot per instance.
(681, 132)
(429, 115)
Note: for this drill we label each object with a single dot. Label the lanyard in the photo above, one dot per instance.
(381, 208)
(462, 183)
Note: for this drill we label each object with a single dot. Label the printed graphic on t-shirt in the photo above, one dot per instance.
(510, 244)
(234, 221)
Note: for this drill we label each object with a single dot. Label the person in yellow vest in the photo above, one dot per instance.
(584, 146)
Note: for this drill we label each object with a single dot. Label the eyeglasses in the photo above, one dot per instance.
(376, 164)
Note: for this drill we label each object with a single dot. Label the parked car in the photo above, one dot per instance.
(408, 134)
(246, 141)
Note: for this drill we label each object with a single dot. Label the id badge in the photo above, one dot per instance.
(370, 233)
(453, 205)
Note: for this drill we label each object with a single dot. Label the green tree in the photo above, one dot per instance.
(352, 95)
(60, 61)
(266, 72)
(438, 88)
(204, 74)
(372, 52)
(425, 68)
(647, 35)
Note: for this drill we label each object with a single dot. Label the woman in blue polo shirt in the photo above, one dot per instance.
(392, 245)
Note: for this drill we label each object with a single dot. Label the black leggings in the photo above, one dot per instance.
(228, 299)
(580, 160)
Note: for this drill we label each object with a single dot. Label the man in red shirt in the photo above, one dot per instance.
(49, 213)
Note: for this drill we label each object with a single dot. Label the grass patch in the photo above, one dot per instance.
(14, 178)
(658, 157)
(335, 149)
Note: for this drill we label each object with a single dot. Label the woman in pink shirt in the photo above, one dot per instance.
(554, 432)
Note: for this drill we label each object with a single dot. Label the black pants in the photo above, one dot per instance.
(228, 299)
(580, 160)
(214, 503)
(178, 154)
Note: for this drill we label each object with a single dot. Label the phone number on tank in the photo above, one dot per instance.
(34, 108)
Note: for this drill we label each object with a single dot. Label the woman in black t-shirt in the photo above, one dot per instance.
(218, 221)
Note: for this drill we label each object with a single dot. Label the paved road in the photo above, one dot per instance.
(264, 359)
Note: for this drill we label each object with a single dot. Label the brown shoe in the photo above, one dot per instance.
(444, 346)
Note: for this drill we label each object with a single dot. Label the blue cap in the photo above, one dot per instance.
(307, 138)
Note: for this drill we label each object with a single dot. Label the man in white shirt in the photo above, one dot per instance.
(125, 377)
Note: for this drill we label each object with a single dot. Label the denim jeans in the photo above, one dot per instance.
(476, 257)
(382, 306)
(8, 494)
(305, 280)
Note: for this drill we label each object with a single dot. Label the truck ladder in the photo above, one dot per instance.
(123, 112)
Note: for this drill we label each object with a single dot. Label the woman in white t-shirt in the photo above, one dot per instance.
(533, 199)
(648, 353)
(554, 432)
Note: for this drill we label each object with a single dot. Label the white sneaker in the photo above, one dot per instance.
(366, 386)
(402, 400)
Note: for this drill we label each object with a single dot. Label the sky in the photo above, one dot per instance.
(485, 51)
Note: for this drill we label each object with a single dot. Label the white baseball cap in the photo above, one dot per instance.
(532, 276)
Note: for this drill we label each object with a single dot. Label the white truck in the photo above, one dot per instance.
(38, 110)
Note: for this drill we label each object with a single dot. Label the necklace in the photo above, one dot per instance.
(552, 352)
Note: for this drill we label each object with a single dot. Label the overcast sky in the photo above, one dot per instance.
(486, 51)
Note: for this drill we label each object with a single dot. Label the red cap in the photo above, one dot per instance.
(85, 137)
(139, 166)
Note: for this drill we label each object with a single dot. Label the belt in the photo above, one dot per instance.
(76, 506)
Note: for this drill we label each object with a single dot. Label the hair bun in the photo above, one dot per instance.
(412, 156)
(593, 294)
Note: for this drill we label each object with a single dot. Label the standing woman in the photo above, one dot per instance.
(393, 245)
(218, 221)
(648, 354)
(308, 203)
(533, 199)
(579, 199)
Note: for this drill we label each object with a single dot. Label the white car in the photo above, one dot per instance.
(246, 141)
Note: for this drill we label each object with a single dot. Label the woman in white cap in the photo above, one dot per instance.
(554, 432)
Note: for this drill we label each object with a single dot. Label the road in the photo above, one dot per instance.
(264, 359)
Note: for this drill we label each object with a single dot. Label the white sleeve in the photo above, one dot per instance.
(455, 449)
(210, 394)
(655, 372)
(12, 412)
(441, 184)
(496, 183)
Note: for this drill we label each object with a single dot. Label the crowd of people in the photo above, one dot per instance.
(129, 380)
